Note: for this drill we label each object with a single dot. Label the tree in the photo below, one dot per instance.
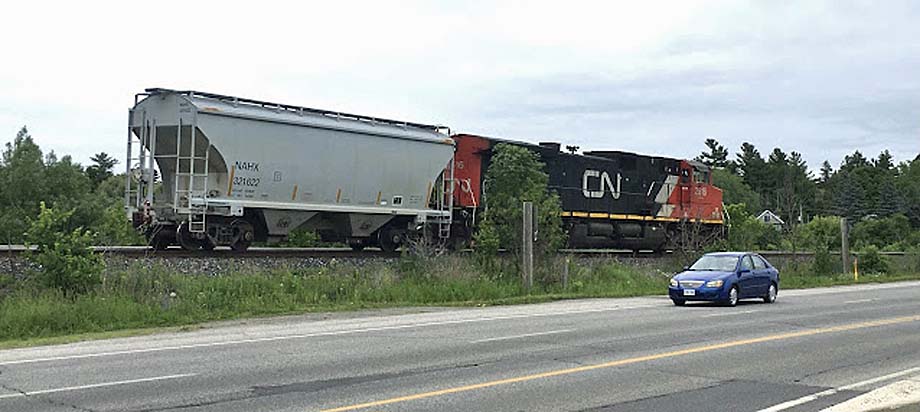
(716, 157)
(65, 259)
(101, 169)
(28, 178)
(849, 199)
(854, 161)
(821, 233)
(751, 167)
(880, 233)
(21, 185)
(884, 161)
(908, 184)
(516, 175)
(735, 191)
(826, 172)
(748, 233)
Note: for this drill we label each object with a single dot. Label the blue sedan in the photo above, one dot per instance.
(726, 277)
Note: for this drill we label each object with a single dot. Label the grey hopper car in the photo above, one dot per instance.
(207, 170)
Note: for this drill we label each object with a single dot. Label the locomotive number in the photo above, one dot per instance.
(701, 191)
(246, 181)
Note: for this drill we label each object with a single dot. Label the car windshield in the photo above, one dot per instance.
(715, 263)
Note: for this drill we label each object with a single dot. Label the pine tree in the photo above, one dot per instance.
(102, 169)
(716, 157)
(751, 167)
(884, 161)
(826, 172)
(889, 199)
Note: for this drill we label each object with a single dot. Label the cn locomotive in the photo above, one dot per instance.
(206, 169)
(610, 199)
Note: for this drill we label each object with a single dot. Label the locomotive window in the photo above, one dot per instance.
(684, 175)
(700, 176)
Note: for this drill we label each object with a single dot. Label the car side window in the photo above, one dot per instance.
(746, 263)
(759, 264)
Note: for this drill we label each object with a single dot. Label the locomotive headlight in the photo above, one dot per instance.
(714, 284)
(673, 282)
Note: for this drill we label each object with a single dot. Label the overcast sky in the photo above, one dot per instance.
(820, 77)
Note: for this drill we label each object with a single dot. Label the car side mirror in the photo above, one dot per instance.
(686, 268)
(743, 271)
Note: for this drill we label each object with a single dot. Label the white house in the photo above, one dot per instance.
(771, 219)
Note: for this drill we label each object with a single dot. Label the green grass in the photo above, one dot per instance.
(801, 281)
(150, 299)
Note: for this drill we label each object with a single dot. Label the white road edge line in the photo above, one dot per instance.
(526, 335)
(317, 334)
(805, 399)
(859, 301)
(713, 315)
(96, 385)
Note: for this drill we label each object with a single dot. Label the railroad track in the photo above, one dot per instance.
(272, 252)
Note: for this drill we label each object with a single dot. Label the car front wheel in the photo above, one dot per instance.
(732, 297)
(679, 302)
(770, 297)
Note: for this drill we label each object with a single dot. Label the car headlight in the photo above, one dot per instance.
(714, 284)
(673, 282)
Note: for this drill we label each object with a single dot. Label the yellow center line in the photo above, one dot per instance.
(621, 362)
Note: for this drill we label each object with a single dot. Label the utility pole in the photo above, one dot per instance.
(845, 244)
(527, 247)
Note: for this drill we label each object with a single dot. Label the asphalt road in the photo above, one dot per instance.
(640, 354)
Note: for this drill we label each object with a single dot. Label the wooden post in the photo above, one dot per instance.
(527, 247)
(565, 273)
(845, 244)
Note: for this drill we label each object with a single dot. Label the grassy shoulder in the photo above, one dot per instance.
(150, 299)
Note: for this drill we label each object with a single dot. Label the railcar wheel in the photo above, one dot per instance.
(186, 239)
(389, 239)
(243, 234)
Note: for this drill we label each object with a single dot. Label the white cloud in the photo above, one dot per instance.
(654, 77)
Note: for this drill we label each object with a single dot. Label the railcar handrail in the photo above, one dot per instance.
(296, 109)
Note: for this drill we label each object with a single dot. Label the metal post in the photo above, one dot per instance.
(141, 159)
(527, 247)
(151, 159)
(845, 244)
(128, 163)
(178, 164)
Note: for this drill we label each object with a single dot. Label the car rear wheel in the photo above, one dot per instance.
(679, 302)
(732, 297)
(770, 297)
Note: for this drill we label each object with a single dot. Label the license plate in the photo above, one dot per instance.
(689, 292)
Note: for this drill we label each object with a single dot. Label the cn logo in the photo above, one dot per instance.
(604, 182)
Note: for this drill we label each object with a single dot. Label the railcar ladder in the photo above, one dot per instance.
(191, 184)
(446, 202)
(139, 166)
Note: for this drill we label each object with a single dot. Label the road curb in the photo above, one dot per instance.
(901, 395)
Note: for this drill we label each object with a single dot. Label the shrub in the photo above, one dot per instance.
(824, 264)
(516, 175)
(871, 261)
(65, 259)
(303, 238)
